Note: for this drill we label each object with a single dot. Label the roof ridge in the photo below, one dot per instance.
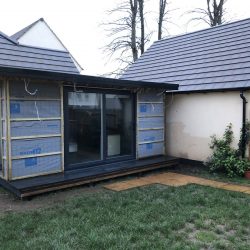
(21, 32)
(202, 30)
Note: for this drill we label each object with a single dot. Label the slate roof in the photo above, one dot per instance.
(210, 59)
(15, 55)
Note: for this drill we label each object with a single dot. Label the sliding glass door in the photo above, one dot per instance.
(85, 127)
(119, 124)
(99, 127)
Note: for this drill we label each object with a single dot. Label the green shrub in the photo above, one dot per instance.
(224, 157)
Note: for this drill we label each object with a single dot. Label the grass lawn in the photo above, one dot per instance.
(151, 217)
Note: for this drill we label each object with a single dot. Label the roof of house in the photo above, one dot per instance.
(210, 59)
(15, 55)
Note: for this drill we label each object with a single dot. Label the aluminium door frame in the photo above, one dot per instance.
(105, 159)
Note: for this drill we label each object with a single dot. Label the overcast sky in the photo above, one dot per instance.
(77, 23)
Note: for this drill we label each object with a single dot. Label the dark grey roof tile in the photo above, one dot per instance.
(214, 58)
(19, 56)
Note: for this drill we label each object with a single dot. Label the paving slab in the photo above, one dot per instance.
(175, 180)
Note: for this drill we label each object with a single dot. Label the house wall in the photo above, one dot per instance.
(191, 119)
(40, 35)
(34, 137)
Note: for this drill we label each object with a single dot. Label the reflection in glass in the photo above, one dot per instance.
(119, 126)
(85, 111)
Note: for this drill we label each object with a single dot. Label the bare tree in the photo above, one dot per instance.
(126, 33)
(213, 14)
(134, 10)
(121, 31)
(216, 12)
(142, 28)
(162, 14)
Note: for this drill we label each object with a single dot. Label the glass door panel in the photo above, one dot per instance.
(119, 125)
(85, 126)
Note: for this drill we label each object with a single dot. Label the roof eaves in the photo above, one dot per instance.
(80, 79)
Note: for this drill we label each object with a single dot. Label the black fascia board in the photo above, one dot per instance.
(83, 79)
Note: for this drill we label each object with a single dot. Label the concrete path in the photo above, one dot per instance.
(174, 179)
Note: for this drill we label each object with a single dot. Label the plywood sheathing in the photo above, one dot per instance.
(174, 179)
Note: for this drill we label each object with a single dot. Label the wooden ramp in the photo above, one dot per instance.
(37, 185)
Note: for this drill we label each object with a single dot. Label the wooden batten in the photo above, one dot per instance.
(62, 127)
(8, 133)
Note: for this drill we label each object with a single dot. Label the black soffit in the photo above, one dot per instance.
(83, 80)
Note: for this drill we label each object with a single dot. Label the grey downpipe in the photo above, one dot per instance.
(243, 139)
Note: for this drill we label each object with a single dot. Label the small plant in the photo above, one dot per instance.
(224, 157)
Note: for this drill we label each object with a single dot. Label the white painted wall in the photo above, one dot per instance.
(40, 35)
(192, 118)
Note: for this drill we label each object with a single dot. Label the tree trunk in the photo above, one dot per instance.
(134, 9)
(162, 12)
(141, 12)
(216, 13)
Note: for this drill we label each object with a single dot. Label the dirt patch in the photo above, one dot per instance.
(10, 203)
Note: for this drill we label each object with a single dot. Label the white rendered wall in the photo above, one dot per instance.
(40, 35)
(192, 118)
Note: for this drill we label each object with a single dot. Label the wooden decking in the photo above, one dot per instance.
(42, 184)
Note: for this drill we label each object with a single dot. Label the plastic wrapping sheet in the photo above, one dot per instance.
(150, 122)
(150, 149)
(150, 135)
(35, 146)
(35, 109)
(43, 89)
(35, 128)
(150, 96)
(36, 165)
(146, 109)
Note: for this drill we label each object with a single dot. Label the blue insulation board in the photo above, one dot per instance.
(4, 148)
(26, 128)
(151, 122)
(146, 109)
(150, 135)
(3, 108)
(36, 165)
(150, 112)
(41, 89)
(5, 166)
(151, 149)
(35, 146)
(32, 109)
(3, 129)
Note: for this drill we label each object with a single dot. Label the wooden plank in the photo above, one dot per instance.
(34, 155)
(137, 127)
(36, 119)
(148, 142)
(34, 136)
(34, 99)
(35, 175)
(62, 126)
(8, 135)
(28, 193)
(150, 102)
(147, 116)
(3, 92)
(143, 129)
